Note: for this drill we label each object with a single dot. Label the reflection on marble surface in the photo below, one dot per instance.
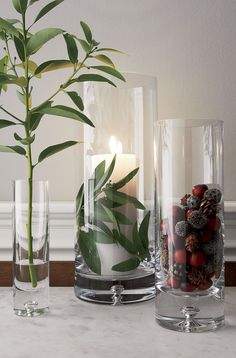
(76, 329)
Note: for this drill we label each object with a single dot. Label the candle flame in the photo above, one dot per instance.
(115, 146)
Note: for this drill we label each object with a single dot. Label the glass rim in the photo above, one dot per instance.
(185, 122)
(25, 181)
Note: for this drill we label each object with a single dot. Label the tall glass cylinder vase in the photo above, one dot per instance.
(115, 205)
(30, 248)
(189, 255)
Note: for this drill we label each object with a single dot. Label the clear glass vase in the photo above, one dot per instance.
(30, 256)
(189, 250)
(115, 205)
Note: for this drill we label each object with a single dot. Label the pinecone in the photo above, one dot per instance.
(179, 272)
(195, 276)
(183, 200)
(209, 207)
(165, 258)
(192, 242)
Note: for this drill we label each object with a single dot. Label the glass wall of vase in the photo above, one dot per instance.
(115, 205)
(189, 255)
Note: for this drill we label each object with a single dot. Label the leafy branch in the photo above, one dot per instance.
(105, 198)
(17, 68)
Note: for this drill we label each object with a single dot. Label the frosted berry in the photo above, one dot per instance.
(197, 259)
(199, 190)
(213, 194)
(173, 282)
(182, 228)
(193, 202)
(180, 256)
(197, 220)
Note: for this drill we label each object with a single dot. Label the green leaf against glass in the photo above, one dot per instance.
(137, 241)
(41, 37)
(87, 31)
(67, 112)
(112, 217)
(71, 48)
(16, 149)
(89, 251)
(102, 226)
(105, 59)
(48, 152)
(89, 77)
(19, 48)
(127, 265)
(20, 5)
(85, 46)
(119, 184)
(103, 238)
(79, 202)
(121, 218)
(24, 141)
(102, 215)
(107, 202)
(47, 8)
(5, 123)
(7, 27)
(99, 171)
(106, 176)
(52, 65)
(111, 71)
(123, 198)
(76, 99)
(124, 242)
(143, 230)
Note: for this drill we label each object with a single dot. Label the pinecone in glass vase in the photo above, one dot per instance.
(195, 276)
(209, 207)
(192, 242)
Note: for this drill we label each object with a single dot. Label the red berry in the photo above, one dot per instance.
(180, 256)
(206, 235)
(213, 223)
(173, 282)
(188, 287)
(199, 190)
(197, 259)
(205, 285)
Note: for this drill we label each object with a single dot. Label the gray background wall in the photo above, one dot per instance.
(189, 45)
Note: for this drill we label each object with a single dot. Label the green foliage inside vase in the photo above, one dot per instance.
(18, 68)
(104, 225)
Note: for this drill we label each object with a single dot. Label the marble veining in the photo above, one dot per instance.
(76, 329)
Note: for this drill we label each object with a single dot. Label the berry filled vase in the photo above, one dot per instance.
(115, 205)
(189, 254)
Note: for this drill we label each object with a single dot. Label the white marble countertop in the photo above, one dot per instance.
(76, 329)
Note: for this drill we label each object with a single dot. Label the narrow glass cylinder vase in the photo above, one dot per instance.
(30, 256)
(189, 250)
(115, 239)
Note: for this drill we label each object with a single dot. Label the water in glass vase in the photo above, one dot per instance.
(29, 301)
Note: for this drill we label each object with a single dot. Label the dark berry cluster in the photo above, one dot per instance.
(192, 244)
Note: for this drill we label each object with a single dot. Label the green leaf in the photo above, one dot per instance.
(92, 78)
(89, 251)
(19, 48)
(121, 218)
(33, 1)
(105, 59)
(10, 79)
(85, 46)
(4, 123)
(137, 242)
(124, 242)
(55, 149)
(79, 204)
(41, 37)
(143, 230)
(71, 48)
(106, 175)
(123, 198)
(119, 184)
(127, 265)
(102, 238)
(112, 218)
(67, 112)
(99, 171)
(110, 50)
(8, 27)
(3, 69)
(102, 226)
(24, 141)
(16, 149)
(20, 5)
(87, 31)
(35, 119)
(47, 8)
(31, 67)
(111, 71)
(52, 65)
(76, 99)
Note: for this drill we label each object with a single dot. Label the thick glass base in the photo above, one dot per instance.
(115, 291)
(190, 312)
(31, 311)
